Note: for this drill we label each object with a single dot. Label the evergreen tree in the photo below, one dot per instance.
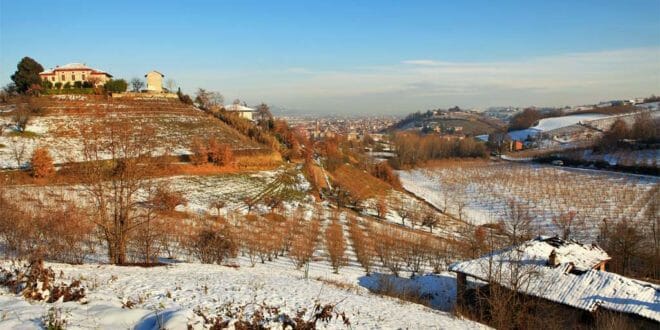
(27, 74)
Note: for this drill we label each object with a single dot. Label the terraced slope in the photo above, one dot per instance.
(58, 128)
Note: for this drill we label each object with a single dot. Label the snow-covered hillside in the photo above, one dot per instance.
(174, 297)
(481, 193)
(58, 129)
(548, 124)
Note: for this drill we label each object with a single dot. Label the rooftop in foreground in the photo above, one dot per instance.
(570, 277)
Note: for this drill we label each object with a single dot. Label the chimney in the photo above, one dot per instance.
(553, 261)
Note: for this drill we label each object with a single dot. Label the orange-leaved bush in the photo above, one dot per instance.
(42, 163)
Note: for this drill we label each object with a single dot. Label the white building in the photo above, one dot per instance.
(154, 81)
(243, 111)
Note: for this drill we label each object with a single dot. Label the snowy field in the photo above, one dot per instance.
(199, 191)
(549, 124)
(480, 193)
(174, 296)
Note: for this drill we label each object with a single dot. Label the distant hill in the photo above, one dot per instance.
(468, 123)
(56, 128)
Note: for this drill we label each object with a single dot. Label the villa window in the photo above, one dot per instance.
(73, 77)
(83, 77)
(63, 79)
(53, 78)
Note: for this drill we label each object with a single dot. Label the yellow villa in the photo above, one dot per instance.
(72, 72)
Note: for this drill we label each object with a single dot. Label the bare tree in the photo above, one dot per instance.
(117, 164)
(208, 100)
(264, 117)
(22, 116)
(218, 205)
(137, 85)
(568, 223)
(18, 150)
(403, 209)
(460, 207)
(170, 84)
(250, 202)
(430, 219)
(381, 207)
(517, 222)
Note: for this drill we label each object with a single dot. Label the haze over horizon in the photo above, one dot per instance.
(354, 58)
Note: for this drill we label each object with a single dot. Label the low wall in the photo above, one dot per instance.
(143, 96)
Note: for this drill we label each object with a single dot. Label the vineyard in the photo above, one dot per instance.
(482, 192)
(59, 127)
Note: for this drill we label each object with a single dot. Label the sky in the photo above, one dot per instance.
(354, 57)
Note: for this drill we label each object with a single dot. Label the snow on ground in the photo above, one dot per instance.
(545, 191)
(59, 134)
(646, 157)
(447, 227)
(168, 296)
(548, 124)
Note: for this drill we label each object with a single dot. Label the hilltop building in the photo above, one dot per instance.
(72, 72)
(154, 81)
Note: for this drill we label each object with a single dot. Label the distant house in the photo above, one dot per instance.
(154, 81)
(566, 273)
(516, 145)
(72, 72)
(243, 111)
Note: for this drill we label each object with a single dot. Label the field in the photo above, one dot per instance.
(480, 193)
(58, 128)
(177, 295)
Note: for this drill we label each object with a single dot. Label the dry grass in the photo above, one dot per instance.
(360, 184)
(339, 284)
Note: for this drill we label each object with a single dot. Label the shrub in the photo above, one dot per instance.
(304, 242)
(335, 244)
(115, 86)
(66, 233)
(362, 244)
(35, 282)
(219, 153)
(42, 164)
(166, 200)
(214, 243)
(386, 242)
(525, 119)
(384, 172)
(46, 84)
(199, 152)
(15, 229)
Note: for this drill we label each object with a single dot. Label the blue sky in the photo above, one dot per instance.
(354, 56)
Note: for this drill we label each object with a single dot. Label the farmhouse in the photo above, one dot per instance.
(72, 72)
(565, 273)
(243, 111)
